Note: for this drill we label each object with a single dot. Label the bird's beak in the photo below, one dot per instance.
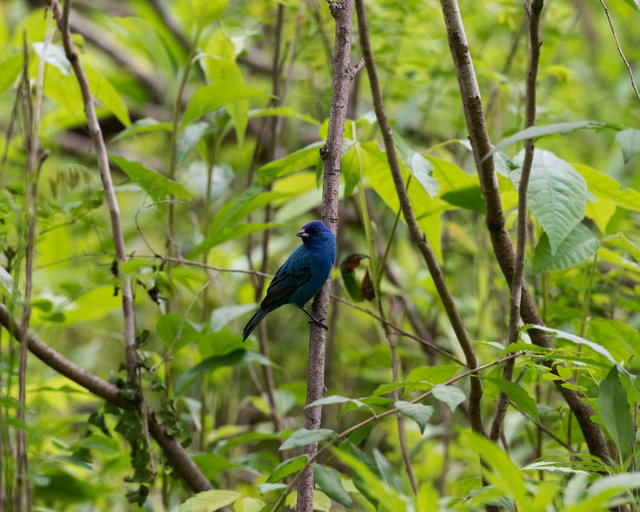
(302, 234)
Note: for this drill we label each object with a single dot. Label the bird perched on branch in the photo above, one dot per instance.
(301, 276)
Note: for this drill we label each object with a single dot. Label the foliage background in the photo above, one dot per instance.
(78, 452)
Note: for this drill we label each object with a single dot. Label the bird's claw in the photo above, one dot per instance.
(319, 324)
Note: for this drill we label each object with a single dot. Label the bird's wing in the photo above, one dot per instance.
(294, 273)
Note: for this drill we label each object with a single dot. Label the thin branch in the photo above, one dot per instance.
(615, 36)
(495, 220)
(517, 281)
(331, 153)
(418, 238)
(179, 459)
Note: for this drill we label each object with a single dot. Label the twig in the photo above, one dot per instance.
(331, 153)
(418, 238)
(517, 281)
(495, 220)
(615, 36)
(173, 450)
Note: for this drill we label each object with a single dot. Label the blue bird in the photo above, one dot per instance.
(301, 276)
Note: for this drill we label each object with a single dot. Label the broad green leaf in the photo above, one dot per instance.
(189, 137)
(6, 281)
(223, 315)
(450, 395)
(247, 504)
(456, 187)
(614, 412)
(144, 125)
(504, 474)
(427, 498)
(420, 167)
(303, 437)
(236, 358)
(619, 338)
(629, 141)
(619, 240)
(535, 132)
(417, 412)
(10, 70)
(518, 395)
(221, 67)
(107, 94)
(208, 501)
(634, 3)
(335, 399)
(578, 246)
(265, 488)
(55, 56)
(351, 168)
(615, 484)
(169, 325)
(330, 483)
(608, 195)
(282, 112)
(207, 11)
(286, 468)
(300, 159)
(156, 185)
(557, 194)
(208, 98)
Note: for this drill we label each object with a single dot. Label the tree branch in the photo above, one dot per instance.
(500, 239)
(173, 450)
(417, 236)
(331, 153)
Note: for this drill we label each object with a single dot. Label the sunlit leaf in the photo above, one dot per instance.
(156, 185)
(208, 501)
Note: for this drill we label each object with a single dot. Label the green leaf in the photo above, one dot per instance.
(107, 94)
(223, 315)
(229, 233)
(247, 504)
(578, 246)
(168, 326)
(298, 160)
(286, 468)
(330, 483)
(145, 125)
(156, 185)
(634, 3)
(55, 56)
(575, 339)
(282, 112)
(535, 132)
(557, 194)
(189, 137)
(208, 98)
(207, 11)
(613, 485)
(98, 443)
(208, 501)
(457, 187)
(417, 412)
(614, 412)
(518, 395)
(619, 240)
(265, 488)
(10, 70)
(450, 395)
(620, 339)
(419, 166)
(629, 141)
(235, 358)
(6, 281)
(304, 437)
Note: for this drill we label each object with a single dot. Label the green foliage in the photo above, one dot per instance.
(247, 176)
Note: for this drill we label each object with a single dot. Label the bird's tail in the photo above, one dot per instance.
(251, 324)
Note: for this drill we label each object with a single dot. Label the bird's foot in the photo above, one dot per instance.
(319, 324)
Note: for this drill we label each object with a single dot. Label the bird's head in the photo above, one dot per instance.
(316, 234)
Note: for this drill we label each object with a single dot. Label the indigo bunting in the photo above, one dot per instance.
(301, 276)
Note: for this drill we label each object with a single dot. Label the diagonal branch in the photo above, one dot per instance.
(500, 238)
(419, 239)
(173, 450)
